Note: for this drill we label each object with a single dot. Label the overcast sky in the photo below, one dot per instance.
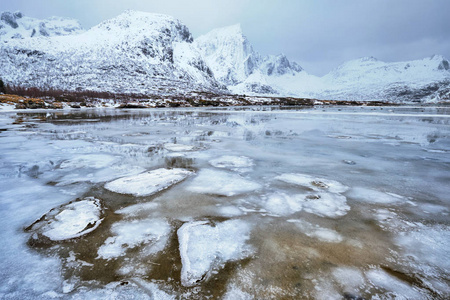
(318, 34)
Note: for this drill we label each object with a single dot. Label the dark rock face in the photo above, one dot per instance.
(9, 19)
(261, 89)
(43, 29)
(18, 15)
(444, 65)
(185, 34)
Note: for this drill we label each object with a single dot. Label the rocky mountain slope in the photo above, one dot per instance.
(135, 52)
(145, 53)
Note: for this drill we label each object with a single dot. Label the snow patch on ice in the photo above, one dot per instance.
(315, 231)
(396, 288)
(229, 211)
(205, 248)
(136, 209)
(349, 278)
(374, 196)
(235, 163)
(233, 293)
(178, 147)
(314, 183)
(70, 221)
(95, 161)
(221, 183)
(321, 204)
(130, 234)
(148, 183)
(283, 204)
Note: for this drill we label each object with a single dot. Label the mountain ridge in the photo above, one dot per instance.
(139, 52)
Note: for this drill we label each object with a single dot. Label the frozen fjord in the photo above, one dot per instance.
(312, 203)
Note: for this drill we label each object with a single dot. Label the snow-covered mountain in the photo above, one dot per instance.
(146, 53)
(244, 71)
(369, 78)
(233, 61)
(135, 52)
(17, 26)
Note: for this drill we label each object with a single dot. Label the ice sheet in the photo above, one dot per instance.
(221, 183)
(148, 183)
(205, 247)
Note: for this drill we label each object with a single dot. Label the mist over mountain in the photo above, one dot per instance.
(138, 52)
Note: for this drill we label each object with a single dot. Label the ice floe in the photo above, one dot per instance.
(206, 247)
(314, 183)
(178, 147)
(373, 196)
(148, 183)
(321, 204)
(221, 183)
(235, 163)
(153, 233)
(69, 221)
(315, 231)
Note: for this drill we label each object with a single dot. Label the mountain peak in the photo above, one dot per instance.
(368, 59)
(139, 24)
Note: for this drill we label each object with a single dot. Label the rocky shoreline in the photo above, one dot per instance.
(194, 100)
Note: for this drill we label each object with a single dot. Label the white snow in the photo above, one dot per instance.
(314, 183)
(207, 247)
(153, 233)
(235, 163)
(71, 220)
(221, 183)
(148, 183)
